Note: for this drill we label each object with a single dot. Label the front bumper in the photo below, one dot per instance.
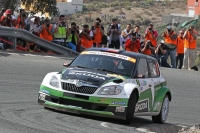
(81, 104)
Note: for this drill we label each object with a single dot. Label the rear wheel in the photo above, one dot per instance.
(130, 109)
(162, 116)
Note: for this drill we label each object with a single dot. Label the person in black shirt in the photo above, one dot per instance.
(161, 55)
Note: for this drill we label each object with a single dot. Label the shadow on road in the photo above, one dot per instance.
(137, 123)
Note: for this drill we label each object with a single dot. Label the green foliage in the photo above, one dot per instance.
(8, 4)
(128, 8)
(48, 6)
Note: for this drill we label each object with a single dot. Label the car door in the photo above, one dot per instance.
(155, 77)
(145, 87)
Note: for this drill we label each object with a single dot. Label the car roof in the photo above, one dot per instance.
(122, 52)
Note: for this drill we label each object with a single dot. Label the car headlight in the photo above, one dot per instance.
(54, 82)
(110, 90)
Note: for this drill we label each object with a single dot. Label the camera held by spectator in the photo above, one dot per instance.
(113, 26)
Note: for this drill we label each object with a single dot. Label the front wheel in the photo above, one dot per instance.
(130, 109)
(162, 116)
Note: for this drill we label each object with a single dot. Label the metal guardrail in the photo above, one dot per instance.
(26, 35)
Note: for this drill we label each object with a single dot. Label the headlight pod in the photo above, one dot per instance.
(54, 82)
(110, 90)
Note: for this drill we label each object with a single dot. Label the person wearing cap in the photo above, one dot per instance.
(151, 35)
(6, 19)
(190, 37)
(171, 44)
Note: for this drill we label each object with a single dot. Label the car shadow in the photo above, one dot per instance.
(137, 122)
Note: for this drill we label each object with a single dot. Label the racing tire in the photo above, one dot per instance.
(162, 116)
(130, 109)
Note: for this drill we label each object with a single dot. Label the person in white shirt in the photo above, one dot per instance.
(126, 34)
(34, 25)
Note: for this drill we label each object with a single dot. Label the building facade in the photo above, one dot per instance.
(193, 7)
(69, 6)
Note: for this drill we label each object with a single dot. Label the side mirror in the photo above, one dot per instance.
(66, 64)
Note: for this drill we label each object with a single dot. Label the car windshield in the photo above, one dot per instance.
(104, 61)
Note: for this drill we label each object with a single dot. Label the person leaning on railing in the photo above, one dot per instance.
(73, 37)
(46, 32)
(61, 31)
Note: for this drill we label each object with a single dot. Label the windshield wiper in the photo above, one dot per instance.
(102, 69)
(82, 67)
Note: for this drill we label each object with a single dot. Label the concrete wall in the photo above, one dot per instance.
(70, 7)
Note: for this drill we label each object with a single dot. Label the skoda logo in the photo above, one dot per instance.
(78, 84)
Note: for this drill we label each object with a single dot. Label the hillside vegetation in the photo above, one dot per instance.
(136, 12)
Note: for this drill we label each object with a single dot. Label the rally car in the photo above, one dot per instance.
(109, 83)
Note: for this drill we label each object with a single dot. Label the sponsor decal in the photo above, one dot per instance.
(116, 76)
(45, 91)
(138, 83)
(89, 74)
(120, 109)
(119, 103)
(111, 54)
(142, 106)
(143, 83)
(102, 100)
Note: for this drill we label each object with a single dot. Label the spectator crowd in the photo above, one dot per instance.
(180, 46)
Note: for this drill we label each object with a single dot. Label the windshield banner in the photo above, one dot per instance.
(111, 55)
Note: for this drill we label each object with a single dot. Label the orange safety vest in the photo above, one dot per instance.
(132, 47)
(190, 42)
(45, 34)
(150, 37)
(169, 40)
(98, 36)
(147, 52)
(85, 42)
(180, 45)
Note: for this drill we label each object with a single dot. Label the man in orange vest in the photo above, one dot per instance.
(86, 38)
(133, 44)
(180, 50)
(171, 42)
(147, 48)
(98, 31)
(46, 32)
(151, 35)
(190, 36)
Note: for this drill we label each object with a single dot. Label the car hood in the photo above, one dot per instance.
(92, 77)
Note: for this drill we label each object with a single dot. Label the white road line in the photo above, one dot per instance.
(104, 124)
(144, 130)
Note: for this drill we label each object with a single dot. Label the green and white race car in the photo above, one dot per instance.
(109, 83)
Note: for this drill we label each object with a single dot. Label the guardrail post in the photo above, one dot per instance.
(15, 43)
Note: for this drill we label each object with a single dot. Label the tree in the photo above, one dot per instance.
(43, 6)
(8, 4)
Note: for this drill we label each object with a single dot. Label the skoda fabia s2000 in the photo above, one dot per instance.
(109, 83)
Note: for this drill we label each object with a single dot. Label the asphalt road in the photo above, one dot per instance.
(20, 78)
